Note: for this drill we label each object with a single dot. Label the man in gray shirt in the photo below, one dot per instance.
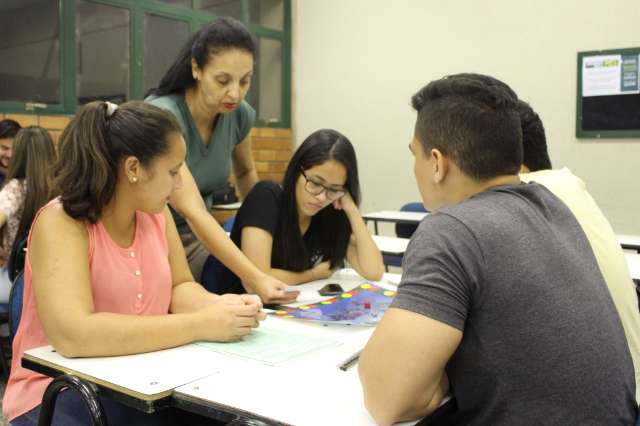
(501, 303)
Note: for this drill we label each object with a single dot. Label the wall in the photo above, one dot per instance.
(357, 63)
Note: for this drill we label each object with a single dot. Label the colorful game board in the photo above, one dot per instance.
(364, 305)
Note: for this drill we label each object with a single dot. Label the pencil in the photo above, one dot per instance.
(349, 362)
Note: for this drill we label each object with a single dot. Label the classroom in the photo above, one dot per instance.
(410, 212)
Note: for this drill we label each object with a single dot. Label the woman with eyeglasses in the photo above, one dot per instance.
(305, 229)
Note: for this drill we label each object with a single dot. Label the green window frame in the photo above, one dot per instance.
(137, 9)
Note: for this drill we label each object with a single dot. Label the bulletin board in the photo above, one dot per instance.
(608, 95)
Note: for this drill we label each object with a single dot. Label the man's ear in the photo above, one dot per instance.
(440, 165)
(524, 169)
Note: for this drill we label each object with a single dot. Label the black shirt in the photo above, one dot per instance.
(262, 209)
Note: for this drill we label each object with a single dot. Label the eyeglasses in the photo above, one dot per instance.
(316, 188)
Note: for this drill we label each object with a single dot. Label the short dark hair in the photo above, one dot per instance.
(534, 140)
(218, 35)
(9, 128)
(472, 119)
(93, 145)
(333, 226)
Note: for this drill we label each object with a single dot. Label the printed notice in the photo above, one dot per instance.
(607, 75)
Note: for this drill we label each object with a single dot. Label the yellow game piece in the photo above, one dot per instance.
(366, 286)
(389, 293)
(304, 307)
(281, 312)
(346, 295)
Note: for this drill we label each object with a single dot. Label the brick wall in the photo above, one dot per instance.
(272, 148)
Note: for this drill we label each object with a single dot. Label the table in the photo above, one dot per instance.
(633, 263)
(629, 242)
(230, 206)
(394, 216)
(391, 245)
(212, 384)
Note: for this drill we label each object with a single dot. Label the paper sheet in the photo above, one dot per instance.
(272, 345)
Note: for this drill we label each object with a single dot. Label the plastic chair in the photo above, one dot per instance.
(16, 258)
(403, 230)
(86, 391)
(15, 303)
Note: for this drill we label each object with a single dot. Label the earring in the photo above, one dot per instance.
(133, 179)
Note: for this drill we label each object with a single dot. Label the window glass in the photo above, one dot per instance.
(230, 8)
(102, 52)
(163, 39)
(29, 51)
(267, 13)
(266, 90)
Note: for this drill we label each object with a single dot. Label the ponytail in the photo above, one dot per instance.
(94, 144)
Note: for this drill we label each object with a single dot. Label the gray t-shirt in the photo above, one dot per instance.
(542, 342)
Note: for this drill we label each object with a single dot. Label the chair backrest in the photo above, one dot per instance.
(406, 230)
(228, 225)
(16, 258)
(15, 303)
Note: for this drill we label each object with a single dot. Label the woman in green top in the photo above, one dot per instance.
(205, 89)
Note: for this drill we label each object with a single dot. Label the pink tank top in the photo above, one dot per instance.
(134, 280)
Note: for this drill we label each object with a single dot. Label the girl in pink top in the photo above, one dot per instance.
(106, 273)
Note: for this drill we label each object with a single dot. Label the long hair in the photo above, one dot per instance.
(93, 145)
(331, 226)
(218, 35)
(32, 159)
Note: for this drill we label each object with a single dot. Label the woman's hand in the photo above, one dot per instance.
(273, 291)
(229, 317)
(346, 203)
(321, 271)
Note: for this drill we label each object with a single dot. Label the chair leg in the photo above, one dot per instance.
(89, 396)
(3, 360)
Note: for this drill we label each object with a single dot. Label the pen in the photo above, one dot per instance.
(349, 362)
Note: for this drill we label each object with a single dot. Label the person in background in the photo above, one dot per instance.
(28, 187)
(501, 301)
(106, 274)
(8, 130)
(306, 228)
(536, 167)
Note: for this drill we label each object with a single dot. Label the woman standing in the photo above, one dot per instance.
(205, 90)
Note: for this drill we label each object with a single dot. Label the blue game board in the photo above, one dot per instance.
(364, 305)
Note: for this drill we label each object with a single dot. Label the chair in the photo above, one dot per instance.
(228, 225)
(86, 391)
(16, 258)
(15, 303)
(403, 230)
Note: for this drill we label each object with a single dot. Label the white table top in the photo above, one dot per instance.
(629, 240)
(329, 396)
(309, 390)
(633, 263)
(230, 206)
(396, 216)
(391, 245)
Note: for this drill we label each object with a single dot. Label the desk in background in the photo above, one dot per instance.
(391, 245)
(393, 216)
(629, 242)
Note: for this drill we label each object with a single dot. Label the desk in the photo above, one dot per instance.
(391, 245)
(309, 389)
(393, 216)
(230, 206)
(629, 242)
(633, 263)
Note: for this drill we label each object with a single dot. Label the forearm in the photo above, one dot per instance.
(290, 277)
(110, 334)
(368, 259)
(246, 180)
(190, 297)
(218, 243)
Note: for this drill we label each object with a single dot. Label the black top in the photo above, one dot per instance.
(262, 209)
